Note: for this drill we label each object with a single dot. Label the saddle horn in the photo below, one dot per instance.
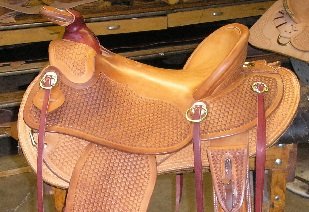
(75, 27)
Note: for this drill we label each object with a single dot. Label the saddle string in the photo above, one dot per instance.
(198, 169)
(46, 83)
(179, 186)
(260, 88)
(199, 113)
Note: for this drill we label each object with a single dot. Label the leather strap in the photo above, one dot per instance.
(179, 186)
(198, 169)
(41, 138)
(260, 150)
(47, 82)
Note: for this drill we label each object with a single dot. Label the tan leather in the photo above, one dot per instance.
(64, 17)
(108, 102)
(154, 144)
(57, 97)
(298, 10)
(283, 28)
(117, 179)
(76, 62)
(206, 71)
(234, 149)
(276, 122)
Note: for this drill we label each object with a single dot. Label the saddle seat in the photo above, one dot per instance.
(130, 87)
(214, 63)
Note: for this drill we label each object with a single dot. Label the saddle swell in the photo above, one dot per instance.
(75, 27)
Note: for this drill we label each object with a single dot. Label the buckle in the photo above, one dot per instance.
(259, 87)
(33, 141)
(53, 79)
(203, 114)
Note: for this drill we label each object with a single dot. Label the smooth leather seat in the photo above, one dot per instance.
(213, 63)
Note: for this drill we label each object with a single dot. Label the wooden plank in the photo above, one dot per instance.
(59, 198)
(276, 157)
(216, 14)
(161, 51)
(238, 11)
(20, 67)
(9, 129)
(28, 35)
(17, 171)
(11, 99)
(184, 18)
(277, 190)
(129, 25)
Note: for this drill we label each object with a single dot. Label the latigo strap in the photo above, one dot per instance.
(48, 81)
(199, 113)
(260, 88)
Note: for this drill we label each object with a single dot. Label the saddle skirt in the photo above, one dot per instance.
(284, 29)
(101, 108)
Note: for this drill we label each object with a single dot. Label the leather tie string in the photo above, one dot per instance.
(199, 113)
(47, 84)
(260, 88)
(179, 186)
(198, 169)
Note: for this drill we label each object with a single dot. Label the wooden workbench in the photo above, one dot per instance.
(141, 16)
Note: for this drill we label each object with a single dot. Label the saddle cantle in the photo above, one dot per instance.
(114, 123)
(284, 29)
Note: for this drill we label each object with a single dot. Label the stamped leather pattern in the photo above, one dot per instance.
(111, 114)
(116, 179)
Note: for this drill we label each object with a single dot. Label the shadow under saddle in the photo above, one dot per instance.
(108, 125)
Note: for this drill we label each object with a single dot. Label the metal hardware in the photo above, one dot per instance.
(217, 13)
(259, 87)
(191, 111)
(53, 80)
(248, 64)
(277, 197)
(278, 161)
(33, 141)
(113, 27)
(281, 145)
